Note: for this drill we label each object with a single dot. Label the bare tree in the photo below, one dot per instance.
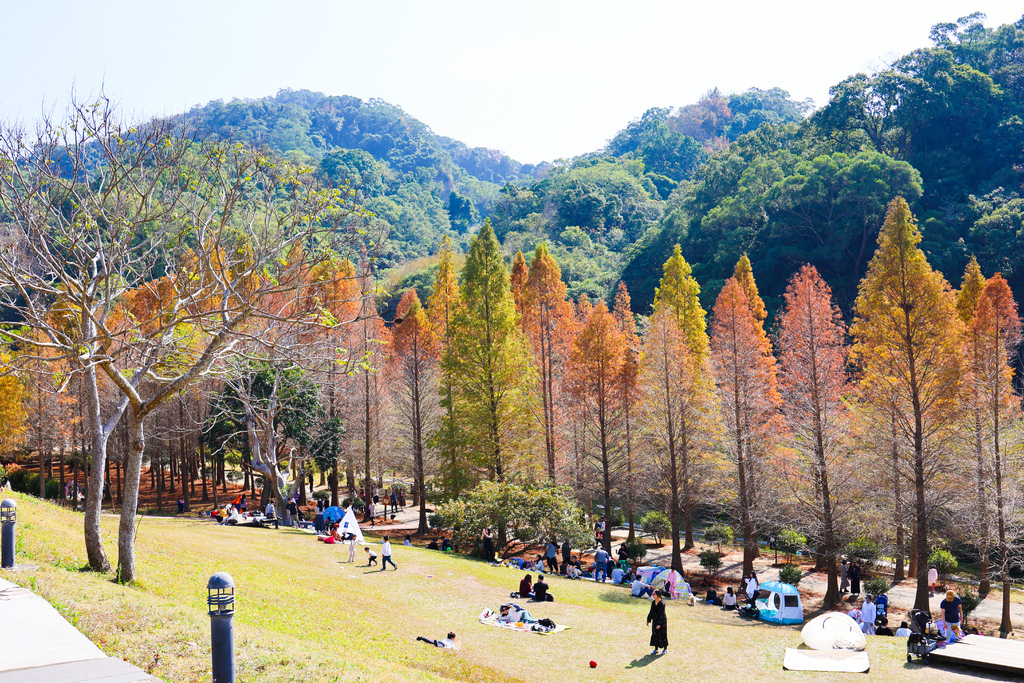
(141, 252)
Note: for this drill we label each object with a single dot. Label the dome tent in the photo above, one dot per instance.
(833, 631)
(780, 603)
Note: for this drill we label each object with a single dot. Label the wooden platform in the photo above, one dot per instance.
(984, 652)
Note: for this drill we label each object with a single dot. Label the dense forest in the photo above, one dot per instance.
(752, 172)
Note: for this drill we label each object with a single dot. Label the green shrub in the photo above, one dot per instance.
(53, 490)
(711, 561)
(355, 502)
(864, 549)
(657, 523)
(789, 541)
(3, 475)
(30, 484)
(942, 560)
(435, 521)
(635, 551)
(875, 586)
(16, 478)
(790, 574)
(718, 534)
(969, 600)
(322, 494)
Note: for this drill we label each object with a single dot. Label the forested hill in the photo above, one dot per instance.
(747, 172)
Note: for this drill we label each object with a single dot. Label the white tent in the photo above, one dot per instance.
(350, 525)
(833, 631)
(780, 603)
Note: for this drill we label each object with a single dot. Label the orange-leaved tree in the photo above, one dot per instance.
(813, 383)
(748, 392)
(413, 376)
(908, 344)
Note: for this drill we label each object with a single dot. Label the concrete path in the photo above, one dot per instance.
(38, 645)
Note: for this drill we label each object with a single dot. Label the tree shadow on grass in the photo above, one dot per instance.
(623, 596)
(642, 661)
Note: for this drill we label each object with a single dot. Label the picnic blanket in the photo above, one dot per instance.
(826, 660)
(490, 618)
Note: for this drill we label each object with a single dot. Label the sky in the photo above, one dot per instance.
(538, 80)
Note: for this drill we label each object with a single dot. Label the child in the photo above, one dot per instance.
(373, 557)
(352, 549)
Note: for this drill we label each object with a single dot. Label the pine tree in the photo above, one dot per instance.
(680, 292)
(597, 357)
(413, 366)
(488, 368)
(547, 318)
(813, 383)
(746, 374)
(908, 343)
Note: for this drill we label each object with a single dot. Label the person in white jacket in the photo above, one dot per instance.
(385, 554)
(868, 613)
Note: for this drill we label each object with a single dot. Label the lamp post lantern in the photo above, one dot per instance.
(221, 602)
(8, 518)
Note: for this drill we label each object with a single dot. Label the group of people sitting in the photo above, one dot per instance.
(446, 545)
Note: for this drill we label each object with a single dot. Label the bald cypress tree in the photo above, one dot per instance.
(908, 342)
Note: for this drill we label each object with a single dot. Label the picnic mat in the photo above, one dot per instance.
(826, 660)
(491, 619)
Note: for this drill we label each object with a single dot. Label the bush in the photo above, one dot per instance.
(635, 551)
(3, 475)
(30, 484)
(435, 521)
(53, 490)
(942, 560)
(790, 574)
(16, 478)
(876, 586)
(718, 534)
(322, 494)
(790, 541)
(711, 561)
(656, 522)
(355, 502)
(969, 600)
(864, 549)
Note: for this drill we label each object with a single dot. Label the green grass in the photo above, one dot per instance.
(302, 615)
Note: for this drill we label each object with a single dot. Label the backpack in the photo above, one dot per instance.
(546, 623)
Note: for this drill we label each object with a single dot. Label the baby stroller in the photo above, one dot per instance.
(924, 638)
(882, 606)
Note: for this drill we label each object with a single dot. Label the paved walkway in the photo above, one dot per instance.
(38, 645)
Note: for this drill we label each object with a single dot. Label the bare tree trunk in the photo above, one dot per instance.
(93, 538)
(129, 507)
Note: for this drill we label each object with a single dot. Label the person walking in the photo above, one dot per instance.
(933, 578)
(658, 622)
(385, 555)
(854, 578)
(844, 579)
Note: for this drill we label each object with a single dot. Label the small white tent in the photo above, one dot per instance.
(350, 525)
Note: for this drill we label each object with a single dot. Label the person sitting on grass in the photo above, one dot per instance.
(903, 631)
(883, 628)
(526, 587)
(540, 590)
(574, 571)
(433, 545)
(447, 643)
(712, 597)
(729, 599)
(408, 540)
(372, 557)
(639, 589)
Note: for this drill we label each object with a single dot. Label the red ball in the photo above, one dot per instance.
(593, 664)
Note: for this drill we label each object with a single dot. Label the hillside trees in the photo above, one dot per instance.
(907, 342)
(813, 385)
(96, 210)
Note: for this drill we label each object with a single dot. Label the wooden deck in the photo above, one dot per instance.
(984, 652)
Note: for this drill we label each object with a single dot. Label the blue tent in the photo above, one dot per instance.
(333, 514)
(780, 603)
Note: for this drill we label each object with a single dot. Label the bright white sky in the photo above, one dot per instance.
(538, 80)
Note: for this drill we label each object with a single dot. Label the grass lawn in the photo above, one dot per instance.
(303, 615)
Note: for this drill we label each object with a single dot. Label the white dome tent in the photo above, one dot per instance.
(833, 631)
(779, 603)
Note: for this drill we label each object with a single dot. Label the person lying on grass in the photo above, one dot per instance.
(447, 643)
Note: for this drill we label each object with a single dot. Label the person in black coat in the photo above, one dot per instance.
(659, 624)
(854, 578)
